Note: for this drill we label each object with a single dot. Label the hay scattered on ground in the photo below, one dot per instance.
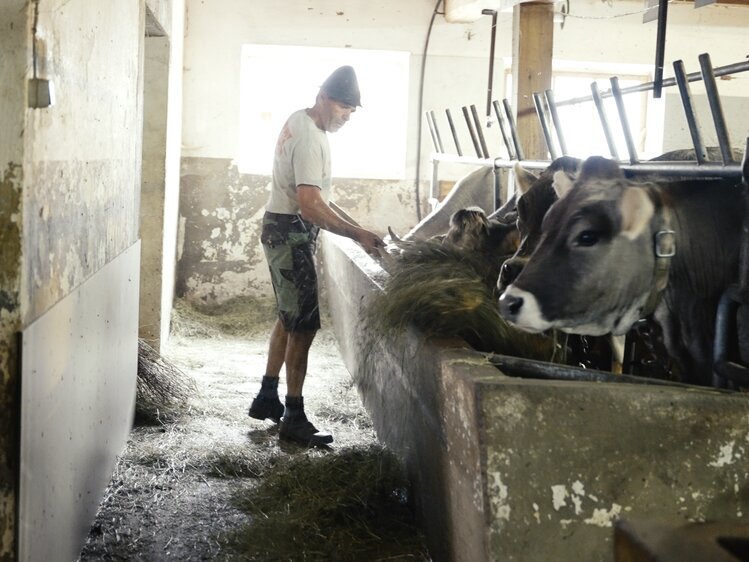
(162, 390)
(171, 494)
(348, 506)
(444, 292)
(237, 317)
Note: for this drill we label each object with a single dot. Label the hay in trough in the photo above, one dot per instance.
(446, 292)
(162, 390)
(349, 506)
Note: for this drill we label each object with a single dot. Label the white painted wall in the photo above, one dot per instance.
(456, 72)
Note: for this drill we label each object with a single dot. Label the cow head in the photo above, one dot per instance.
(534, 195)
(593, 268)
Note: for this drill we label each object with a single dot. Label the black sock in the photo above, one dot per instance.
(294, 406)
(269, 387)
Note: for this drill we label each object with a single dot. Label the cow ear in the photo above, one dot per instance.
(637, 209)
(523, 178)
(562, 183)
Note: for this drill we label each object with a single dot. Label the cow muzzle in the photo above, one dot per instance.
(521, 309)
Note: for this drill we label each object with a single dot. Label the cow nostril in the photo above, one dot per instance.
(510, 304)
(515, 304)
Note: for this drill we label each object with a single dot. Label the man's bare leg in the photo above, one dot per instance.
(276, 349)
(266, 404)
(297, 354)
(295, 424)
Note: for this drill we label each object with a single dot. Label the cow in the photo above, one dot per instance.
(619, 249)
(473, 189)
(533, 197)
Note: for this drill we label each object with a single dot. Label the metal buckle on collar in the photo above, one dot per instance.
(665, 244)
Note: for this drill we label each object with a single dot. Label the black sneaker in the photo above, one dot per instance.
(301, 430)
(263, 408)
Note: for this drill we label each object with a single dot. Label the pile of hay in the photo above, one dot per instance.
(348, 506)
(162, 390)
(236, 317)
(444, 292)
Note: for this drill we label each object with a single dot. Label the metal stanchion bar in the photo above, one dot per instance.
(437, 132)
(700, 153)
(713, 97)
(453, 131)
(479, 131)
(513, 129)
(660, 48)
(430, 123)
(598, 100)
(617, 92)
(501, 122)
(555, 119)
(538, 102)
(472, 132)
(648, 86)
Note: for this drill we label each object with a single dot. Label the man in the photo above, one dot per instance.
(297, 208)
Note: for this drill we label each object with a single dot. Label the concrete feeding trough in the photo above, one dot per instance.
(507, 467)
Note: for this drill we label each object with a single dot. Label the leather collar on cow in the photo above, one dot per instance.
(664, 247)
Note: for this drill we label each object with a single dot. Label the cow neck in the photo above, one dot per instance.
(664, 248)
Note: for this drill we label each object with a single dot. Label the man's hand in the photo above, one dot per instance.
(370, 242)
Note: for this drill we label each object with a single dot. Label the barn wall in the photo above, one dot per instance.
(69, 194)
(456, 75)
(13, 32)
(162, 137)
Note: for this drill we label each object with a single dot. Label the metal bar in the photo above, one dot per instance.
(555, 119)
(505, 138)
(513, 129)
(727, 307)
(744, 254)
(434, 185)
(598, 100)
(647, 86)
(538, 102)
(660, 48)
(497, 190)
(435, 144)
(453, 131)
(686, 100)
(530, 368)
(665, 168)
(623, 119)
(479, 131)
(493, 13)
(437, 132)
(713, 97)
(472, 132)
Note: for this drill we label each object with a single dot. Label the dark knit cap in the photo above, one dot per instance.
(342, 86)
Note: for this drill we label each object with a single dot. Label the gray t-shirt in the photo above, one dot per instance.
(302, 157)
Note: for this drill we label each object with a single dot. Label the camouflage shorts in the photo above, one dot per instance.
(289, 244)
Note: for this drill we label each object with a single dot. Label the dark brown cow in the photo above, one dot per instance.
(607, 245)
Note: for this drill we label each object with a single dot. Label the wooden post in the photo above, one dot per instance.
(532, 50)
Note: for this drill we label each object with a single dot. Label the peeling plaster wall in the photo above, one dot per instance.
(221, 212)
(456, 75)
(69, 179)
(83, 154)
(14, 21)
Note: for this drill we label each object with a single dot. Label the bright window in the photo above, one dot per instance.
(276, 80)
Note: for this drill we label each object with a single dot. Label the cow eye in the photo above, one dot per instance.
(588, 238)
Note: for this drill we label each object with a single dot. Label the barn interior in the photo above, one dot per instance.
(136, 142)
